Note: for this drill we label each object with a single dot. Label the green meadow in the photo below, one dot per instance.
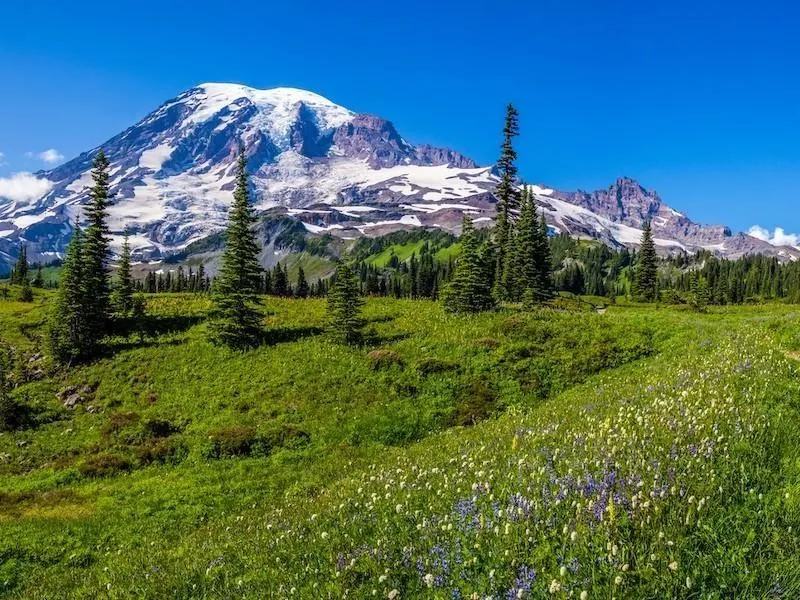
(647, 452)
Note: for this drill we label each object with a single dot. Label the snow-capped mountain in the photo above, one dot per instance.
(335, 170)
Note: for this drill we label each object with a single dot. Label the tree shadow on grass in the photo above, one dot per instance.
(380, 319)
(120, 345)
(129, 332)
(153, 326)
(282, 335)
(373, 338)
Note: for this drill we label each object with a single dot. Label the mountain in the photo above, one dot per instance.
(335, 170)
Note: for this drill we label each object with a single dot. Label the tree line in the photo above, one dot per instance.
(511, 262)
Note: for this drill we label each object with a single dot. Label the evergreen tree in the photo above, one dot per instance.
(646, 267)
(20, 272)
(699, 297)
(68, 325)
(510, 285)
(123, 288)
(280, 282)
(201, 278)
(507, 198)
(469, 289)
(507, 193)
(302, 284)
(544, 268)
(26, 293)
(38, 279)
(94, 255)
(344, 305)
(525, 256)
(266, 282)
(235, 318)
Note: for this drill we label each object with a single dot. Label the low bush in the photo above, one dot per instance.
(158, 428)
(384, 359)
(489, 343)
(160, 450)
(118, 422)
(103, 465)
(478, 402)
(225, 442)
(431, 366)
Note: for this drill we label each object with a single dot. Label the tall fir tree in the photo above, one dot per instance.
(20, 272)
(68, 327)
(95, 255)
(544, 267)
(646, 273)
(38, 279)
(507, 199)
(510, 284)
(344, 305)
(123, 286)
(302, 284)
(280, 281)
(525, 256)
(235, 317)
(469, 289)
(26, 293)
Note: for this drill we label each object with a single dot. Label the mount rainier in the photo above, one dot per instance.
(334, 170)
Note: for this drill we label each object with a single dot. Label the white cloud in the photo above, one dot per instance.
(779, 237)
(24, 187)
(51, 156)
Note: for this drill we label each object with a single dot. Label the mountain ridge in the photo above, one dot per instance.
(337, 171)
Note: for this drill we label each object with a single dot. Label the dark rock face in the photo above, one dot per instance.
(624, 201)
(373, 139)
(431, 155)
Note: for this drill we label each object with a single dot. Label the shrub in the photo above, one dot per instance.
(161, 450)
(384, 359)
(286, 435)
(228, 442)
(118, 422)
(225, 442)
(103, 465)
(158, 428)
(430, 366)
(13, 413)
(478, 402)
(490, 343)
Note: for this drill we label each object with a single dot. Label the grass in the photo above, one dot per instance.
(402, 251)
(315, 267)
(503, 453)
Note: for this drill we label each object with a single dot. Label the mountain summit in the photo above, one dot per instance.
(337, 171)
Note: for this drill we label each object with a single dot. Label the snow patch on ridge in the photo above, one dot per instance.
(153, 159)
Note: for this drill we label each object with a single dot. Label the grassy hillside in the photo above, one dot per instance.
(638, 453)
(402, 251)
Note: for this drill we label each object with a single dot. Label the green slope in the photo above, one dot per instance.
(435, 473)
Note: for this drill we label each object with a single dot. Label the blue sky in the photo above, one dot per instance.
(698, 100)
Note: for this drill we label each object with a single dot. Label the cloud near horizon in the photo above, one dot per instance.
(23, 187)
(778, 237)
(51, 156)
